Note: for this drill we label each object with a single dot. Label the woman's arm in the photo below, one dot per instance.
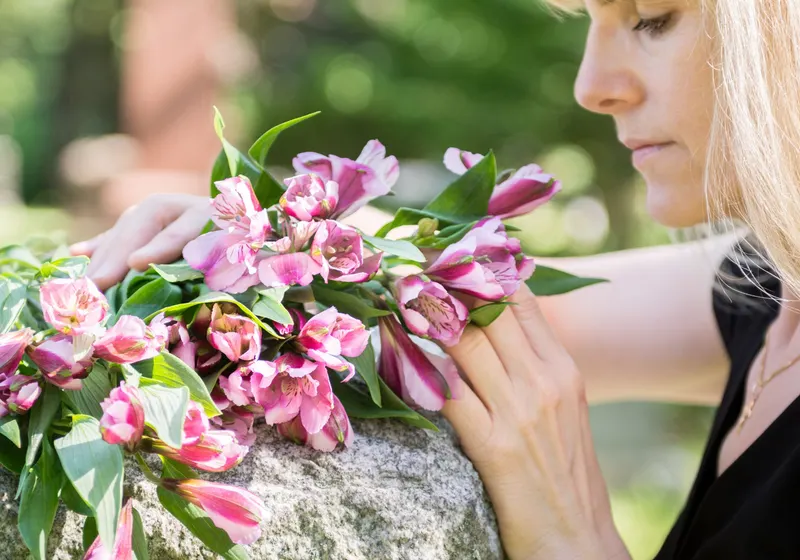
(650, 333)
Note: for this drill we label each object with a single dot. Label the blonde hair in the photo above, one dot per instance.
(753, 161)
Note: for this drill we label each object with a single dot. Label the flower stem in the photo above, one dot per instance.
(146, 471)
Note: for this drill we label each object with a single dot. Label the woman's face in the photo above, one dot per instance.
(647, 65)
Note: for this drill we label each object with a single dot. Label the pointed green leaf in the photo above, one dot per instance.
(69, 267)
(485, 315)
(96, 387)
(260, 148)
(358, 404)
(548, 281)
(9, 428)
(401, 248)
(367, 370)
(177, 272)
(39, 501)
(170, 371)
(165, 411)
(42, 415)
(346, 302)
(73, 501)
(269, 306)
(139, 538)
(95, 469)
(12, 299)
(11, 457)
(150, 299)
(468, 196)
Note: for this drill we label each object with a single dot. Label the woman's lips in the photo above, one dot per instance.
(645, 152)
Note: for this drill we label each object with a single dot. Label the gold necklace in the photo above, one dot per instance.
(761, 382)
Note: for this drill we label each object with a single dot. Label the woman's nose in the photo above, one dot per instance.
(607, 83)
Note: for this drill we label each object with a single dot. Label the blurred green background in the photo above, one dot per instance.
(420, 75)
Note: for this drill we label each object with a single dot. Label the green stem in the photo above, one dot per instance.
(146, 471)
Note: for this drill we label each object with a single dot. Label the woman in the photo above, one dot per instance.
(704, 94)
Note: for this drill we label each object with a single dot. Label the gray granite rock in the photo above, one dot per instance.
(398, 493)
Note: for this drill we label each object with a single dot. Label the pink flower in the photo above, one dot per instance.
(238, 337)
(63, 360)
(339, 251)
(73, 306)
(232, 509)
(299, 321)
(18, 393)
(238, 420)
(226, 259)
(459, 161)
(408, 371)
(337, 430)
(130, 340)
(195, 424)
(287, 270)
(236, 386)
(123, 543)
(429, 310)
(291, 386)
(329, 335)
(211, 451)
(235, 205)
(308, 197)
(123, 417)
(486, 263)
(12, 348)
(370, 176)
(528, 188)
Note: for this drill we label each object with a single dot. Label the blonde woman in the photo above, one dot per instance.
(705, 94)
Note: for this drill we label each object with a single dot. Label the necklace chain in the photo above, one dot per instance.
(761, 382)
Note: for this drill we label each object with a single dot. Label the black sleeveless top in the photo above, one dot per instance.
(752, 510)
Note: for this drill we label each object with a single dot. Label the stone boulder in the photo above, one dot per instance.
(398, 493)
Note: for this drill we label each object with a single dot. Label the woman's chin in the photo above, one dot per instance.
(675, 209)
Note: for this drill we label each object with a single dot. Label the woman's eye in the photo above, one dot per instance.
(654, 26)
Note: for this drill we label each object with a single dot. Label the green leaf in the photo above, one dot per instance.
(39, 501)
(42, 415)
(165, 411)
(209, 299)
(269, 306)
(19, 256)
(11, 457)
(359, 405)
(196, 521)
(260, 148)
(95, 469)
(345, 302)
(170, 371)
(401, 248)
(96, 387)
(150, 299)
(111, 296)
(485, 315)
(73, 501)
(468, 196)
(12, 299)
(238, 163)
(139, 538)
(9, 427)
(89, 532)
(548, 281)
(178, 272)
(365, 366)
(69, 267)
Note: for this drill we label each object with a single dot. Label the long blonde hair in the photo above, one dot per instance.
(753, 160)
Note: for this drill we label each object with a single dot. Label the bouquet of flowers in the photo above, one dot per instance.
(268, 315)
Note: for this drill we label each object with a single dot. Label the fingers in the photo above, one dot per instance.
(468, 416)
(534, 324)
(168, 244)
(479, 362)
(511, 345)
(88, 247)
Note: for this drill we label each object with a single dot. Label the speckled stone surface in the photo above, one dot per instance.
(398, 493)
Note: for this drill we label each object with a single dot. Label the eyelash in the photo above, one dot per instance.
(654, 26)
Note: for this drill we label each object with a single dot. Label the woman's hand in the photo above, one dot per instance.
(524, 424)
(154, 231)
